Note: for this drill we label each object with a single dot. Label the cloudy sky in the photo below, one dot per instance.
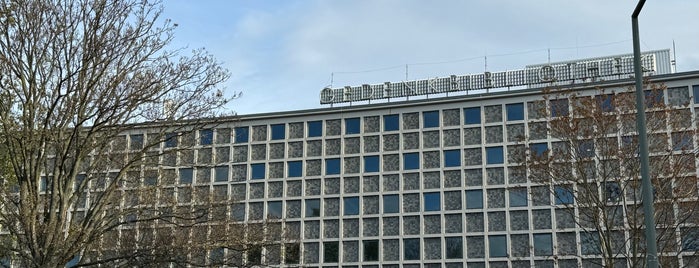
(281, 53)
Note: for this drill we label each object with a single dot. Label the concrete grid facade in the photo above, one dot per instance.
(426, 183)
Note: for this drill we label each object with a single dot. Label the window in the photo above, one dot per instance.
(371, 250)
(371, 163)
(515, 111)
(291, 253)
(654, 98)
(538, 149)
(238, 211)
(274, 210)
(612, 191)
(221, 173)
(411, 249)
(474, 199)
(352, 126)
(170, 140)
(186, 175)
(430, 119)
(559, 107)
(136, 142)
(258, 171)
(411, 161)
(351, 205)
(242, 134)
(563, 195)
(391, 204)
(454, 247)
(543, 246)
(315, 129)
(494, 155)
(295, 169)
(390, 122)
(432, 201)
(695, 88)
(452, 158)
(312, 207)
(330, 251)
(472, 115)
(278, 132)
(605, 102)
(498, 245)
(690, 238)
(682, 141)
(206, 136)
(332, 166)
(518, 197)
(586, 148)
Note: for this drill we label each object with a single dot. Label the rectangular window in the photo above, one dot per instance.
(452, 158)
(170, 140)
(472, 115)
(278, 131)
(312, 207)
(559, 107)
(136, 142)
(612, 191)
(474, 199)
(315, 129)
(690, 238)
(543, 246)
(391, 204)
(258, 171)
(294, 169)
(351, 205)
(494, 155)
(563, 195)
(242, 134)
(411, 249)
(518, 197)
(274, 210)
(371, 163)
(454, 247)
(186, 175)
(605, 102)
(498, 245)
(221, 173)
(430, 119)
(291, 253)
(586, 148)
(654, 98)
(371, 250)
(695, 88)
(206, 136)
(411, 161)
(352, 125)
(538, 149)
(432, 201)
(332, 166)
(390, 122)
(330, 251)
(515, 111)
(238, 211)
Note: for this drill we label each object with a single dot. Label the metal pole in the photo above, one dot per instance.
(646, 186)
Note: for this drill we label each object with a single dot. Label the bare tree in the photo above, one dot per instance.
(91, 104)
(592, 169)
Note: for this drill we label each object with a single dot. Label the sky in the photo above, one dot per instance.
(282, 53)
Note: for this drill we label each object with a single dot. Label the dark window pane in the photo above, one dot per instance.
(498, 245)
(136, 142)
(221, 173)
(586, 149)
(371, 163)
(538, 149)
(312, 207)
(543, 246)
(371, 250)
(454, 247)
(171, 140)
(352, 126)
(258, 171)
(351, 205)
(654, 98)
(515, 111)
(612, 191)
(690, 238)
(291, 253)
(494, 155)
(242, 134)
(432, 201)
(330, 250)
(278, 132)
(605, 102)
(563, 195)
(295, 169)
(206, 136)
(315, 128)
(186, 175)
(452, 158)
(474, 199)
(411, 161)
(696, 93)
(518, 197)
(274, 210)
(472, 115)
(332, 166)
(559, 107)
(390, 122)
(411, 249)
(430, 119)
(391, 204)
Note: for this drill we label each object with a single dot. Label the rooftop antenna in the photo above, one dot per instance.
(674, 57)
(549, 54)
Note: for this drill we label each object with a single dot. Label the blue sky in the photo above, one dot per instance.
(282, 53)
